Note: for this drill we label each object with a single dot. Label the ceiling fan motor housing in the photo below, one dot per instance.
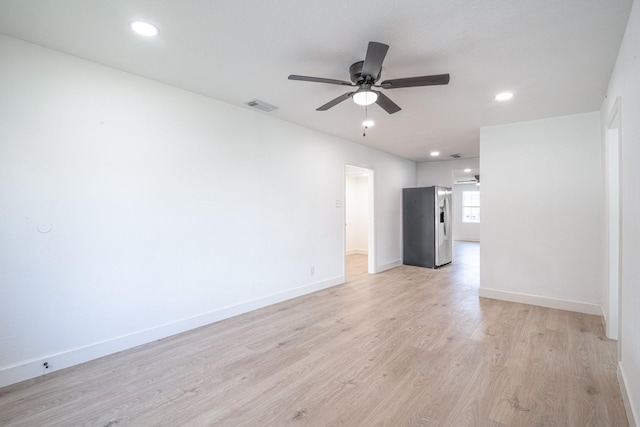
(355, 73)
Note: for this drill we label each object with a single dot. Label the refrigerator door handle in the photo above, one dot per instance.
(446, 216)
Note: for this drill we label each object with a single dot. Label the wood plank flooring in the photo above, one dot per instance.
(408, 347)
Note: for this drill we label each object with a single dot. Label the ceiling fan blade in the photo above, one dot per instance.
(335, 102)
(320, 80)
(438, 79)
(373, 61)
(387, 105)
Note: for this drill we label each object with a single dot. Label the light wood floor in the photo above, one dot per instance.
(410, 346)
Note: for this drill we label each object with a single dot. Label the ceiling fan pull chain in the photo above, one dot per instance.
(364, 132)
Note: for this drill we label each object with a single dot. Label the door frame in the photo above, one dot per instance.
(371, 240)
(613, 201)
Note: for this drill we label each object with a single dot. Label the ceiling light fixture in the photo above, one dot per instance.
(435, 153)
(365, 97)
(504, 96)
(467, 170)
(144, 28)
(368, 123)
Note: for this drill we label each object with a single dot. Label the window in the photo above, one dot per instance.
(470, 206)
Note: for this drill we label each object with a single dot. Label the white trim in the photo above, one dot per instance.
(579, 307)
(613, 120)
(394, 264)
(372, 262)
(603, 313)
(467, 239)
(631, 416)
(32, 368)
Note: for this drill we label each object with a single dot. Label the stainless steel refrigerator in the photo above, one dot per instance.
(427, 238)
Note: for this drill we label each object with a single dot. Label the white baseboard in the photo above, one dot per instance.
(357, 251)
(605, 324)
(579, 307)
(33, 368)
(631, 415)
(467, 239)
(394, 264)
(605, 321)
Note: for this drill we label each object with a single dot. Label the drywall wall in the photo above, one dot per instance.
(542, 234)
(441, 173)
(132, 210)
(357, 214)
(626, 85)
(468, 231)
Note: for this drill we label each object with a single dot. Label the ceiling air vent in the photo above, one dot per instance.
(261, 105)
(465, 180)
(456, 156)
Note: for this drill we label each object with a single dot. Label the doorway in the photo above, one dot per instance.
(612, 156)
(359, 214)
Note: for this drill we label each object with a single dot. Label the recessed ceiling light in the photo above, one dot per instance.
(435, 153)
(144, 28)
(504, 96)
(467, 170)
(368, 123)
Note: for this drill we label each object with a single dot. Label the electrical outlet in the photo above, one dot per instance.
(312, 271)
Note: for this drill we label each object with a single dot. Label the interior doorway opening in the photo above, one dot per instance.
(467, 214)
(359, 214)
(612, 295)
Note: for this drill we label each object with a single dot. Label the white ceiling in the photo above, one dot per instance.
(556, 55)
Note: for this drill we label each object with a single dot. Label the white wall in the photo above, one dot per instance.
(132, 210)
(468, 231)
(626, 85)
(357, 214)
(441, 173)
(542, 234)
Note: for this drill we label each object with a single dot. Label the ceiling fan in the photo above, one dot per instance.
(365, 74)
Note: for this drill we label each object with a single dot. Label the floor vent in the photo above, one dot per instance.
(261, 105)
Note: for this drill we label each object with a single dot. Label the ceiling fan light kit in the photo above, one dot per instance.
(365, 74)
(364, 97)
